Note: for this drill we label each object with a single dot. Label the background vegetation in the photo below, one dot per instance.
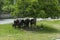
(31, 8)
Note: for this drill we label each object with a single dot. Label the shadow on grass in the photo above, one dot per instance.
(41, 29)
(47, 30)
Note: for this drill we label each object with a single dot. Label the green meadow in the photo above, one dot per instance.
(50, 31)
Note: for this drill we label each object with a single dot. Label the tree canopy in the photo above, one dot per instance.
(31, 8)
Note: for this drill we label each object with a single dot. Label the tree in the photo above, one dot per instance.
(32, 8)
(50, 7)
(1, 5)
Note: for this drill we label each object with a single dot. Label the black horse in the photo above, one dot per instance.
(32, 22)
(16, 23)
(21, 24)
(27, 23)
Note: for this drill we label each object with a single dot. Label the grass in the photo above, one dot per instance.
(51, 31)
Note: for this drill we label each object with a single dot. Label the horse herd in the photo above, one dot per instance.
(21, 23)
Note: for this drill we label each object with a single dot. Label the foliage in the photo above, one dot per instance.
(32, 8)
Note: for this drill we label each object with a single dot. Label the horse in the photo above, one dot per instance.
(16, 23)
(33, 22)
(27, 23)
